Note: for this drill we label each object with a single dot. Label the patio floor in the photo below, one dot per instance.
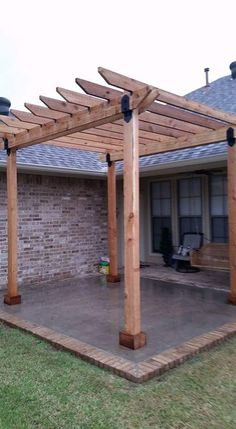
(182, 314)
(203, 278)
(90, 310)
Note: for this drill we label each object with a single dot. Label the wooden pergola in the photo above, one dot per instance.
(121, 121)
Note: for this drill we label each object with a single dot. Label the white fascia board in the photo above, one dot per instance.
(52, 170)
(185, 163)
(154, 169)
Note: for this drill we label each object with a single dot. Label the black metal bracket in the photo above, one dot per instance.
(230, 136)
(6, 147)
(108, 159)
(125, 107)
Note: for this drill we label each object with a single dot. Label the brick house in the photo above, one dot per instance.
(62, 212)
(62, 199)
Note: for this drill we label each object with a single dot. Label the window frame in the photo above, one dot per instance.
(223, 217)
(179, 217)
(155, 250)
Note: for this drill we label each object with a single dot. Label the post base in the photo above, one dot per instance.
(113, 278)
(133, 342)
(12, 300)
(232, 299)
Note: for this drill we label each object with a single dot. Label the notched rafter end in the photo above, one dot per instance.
(101, 71)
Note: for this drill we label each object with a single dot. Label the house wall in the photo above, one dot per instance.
(146, 253)
(62, 227)
(146, 243)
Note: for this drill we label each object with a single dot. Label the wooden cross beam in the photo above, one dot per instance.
(128, 84)
(168, 111)
(178, 143)
(65, 124)
(177, 124)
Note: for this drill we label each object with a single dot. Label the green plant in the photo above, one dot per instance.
(166, 247)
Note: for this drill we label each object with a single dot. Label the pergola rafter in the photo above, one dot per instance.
(62, 123)
(122, 121)
(177, 124)
(170, 122)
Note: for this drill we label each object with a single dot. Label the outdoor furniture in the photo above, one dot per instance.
(213, 256)
(191, 241)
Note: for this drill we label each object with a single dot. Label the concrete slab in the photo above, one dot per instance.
(203, 278)
(90, 310)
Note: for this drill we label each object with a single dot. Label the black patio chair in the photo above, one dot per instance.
(190, 241)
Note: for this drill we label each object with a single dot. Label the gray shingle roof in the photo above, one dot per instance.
(220, 94)
(200, 152)
(43, 155)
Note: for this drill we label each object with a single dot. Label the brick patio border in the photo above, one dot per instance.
(136, 372)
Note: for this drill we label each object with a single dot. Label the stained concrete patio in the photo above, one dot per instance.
(91, 310)
(203, 278)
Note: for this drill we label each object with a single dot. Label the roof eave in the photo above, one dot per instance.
(179, 164)
(59, 170)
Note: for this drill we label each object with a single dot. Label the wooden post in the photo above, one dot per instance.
(232, 220)
(131, 336)
(12, 296)
(113, 275)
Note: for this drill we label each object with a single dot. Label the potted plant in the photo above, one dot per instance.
(166, 247)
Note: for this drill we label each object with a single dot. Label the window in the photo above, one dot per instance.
(190, 205)
(219, 209)
(160, 211)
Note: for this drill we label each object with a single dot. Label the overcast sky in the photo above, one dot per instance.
(166, 43)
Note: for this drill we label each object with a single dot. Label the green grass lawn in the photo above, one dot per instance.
(44, 388)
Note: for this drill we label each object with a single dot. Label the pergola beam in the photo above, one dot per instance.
(147, 131)
(30, 117)
(169, 111)
(94, 138)
(117, 129)
(155, 118)
(97, 90)
(44, 112)
(8, 131)
(88, 143)
(193, 106)
(160, 130)
(77, 98)
(15, 123)
(184, 115)
(81, 146)
(179, 143)
(168, 124)
(120, 81)
(97, 132)
(68, 124)
(60, 105)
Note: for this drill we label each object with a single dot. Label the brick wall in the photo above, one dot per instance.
(62, 227)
